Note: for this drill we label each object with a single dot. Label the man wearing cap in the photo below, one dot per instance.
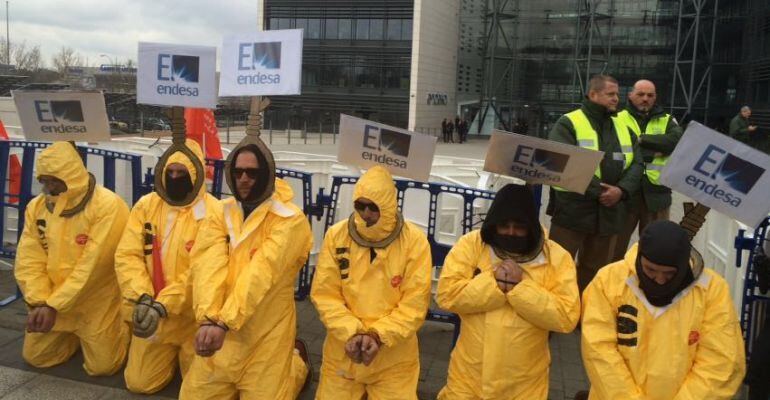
(372, 290)
(511, 287)
(153, 267)
(65, 267)
(658, 325)
(245, 262)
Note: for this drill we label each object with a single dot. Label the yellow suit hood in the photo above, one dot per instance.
(62, 161)
(377, 185)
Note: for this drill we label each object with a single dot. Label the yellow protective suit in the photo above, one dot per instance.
(244, 274)
(68, 264)
(691, 349)
(388, 295)
(502, 352)
(152, 362)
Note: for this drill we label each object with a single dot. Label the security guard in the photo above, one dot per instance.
(372, 289)
(587, 225)
(658, 325)
(153, 266)
(65, 267)
(658, 134)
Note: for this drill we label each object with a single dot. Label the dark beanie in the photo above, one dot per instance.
(512, 203)
(665, 243)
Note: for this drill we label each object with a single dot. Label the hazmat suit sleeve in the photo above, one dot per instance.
(404, 321)
(461, 292)
(130, 264)
(108, 223)
(719, 365)
(277, 259)
(554, 306)
(31, 260)
(564, 132)
(175, 296)
(326, 294)
(605, 366)
(209, 261)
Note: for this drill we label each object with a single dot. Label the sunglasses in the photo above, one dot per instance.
(360, 206)
(250, 172)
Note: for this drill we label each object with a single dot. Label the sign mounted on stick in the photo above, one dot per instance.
(721, 173)
(540, 161)
(52, 115)
(366, 144)
(177, 75)
(261, 64)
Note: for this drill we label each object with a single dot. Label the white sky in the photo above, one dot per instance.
(114, 27)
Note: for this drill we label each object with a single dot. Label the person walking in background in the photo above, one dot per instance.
(450, 129)
(444, 130)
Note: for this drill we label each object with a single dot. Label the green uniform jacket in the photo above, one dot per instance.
(582, 212)
(739, 129)
(657, 197)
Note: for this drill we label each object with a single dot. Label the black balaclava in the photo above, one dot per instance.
(665, 243)
(178, 188)
(249, 204)
(513, 203)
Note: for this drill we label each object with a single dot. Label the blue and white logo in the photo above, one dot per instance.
(254, 58)
(538, 163)
(182, 70)
(60, 116)
(386, 146)
(724, 176)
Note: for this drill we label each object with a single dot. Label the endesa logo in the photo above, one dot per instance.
(386, 141)
(253, 57)
(724, 176)
(65, 116)
(539, 163)
(179, 71)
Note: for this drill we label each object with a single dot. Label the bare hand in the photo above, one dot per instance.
(353, 349)
(501, 276)
(209, 340)
(41, 319)
(752, 128)
(513, 270)
(369, 349)
(610, 196)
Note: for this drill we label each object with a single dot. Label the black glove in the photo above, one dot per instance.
(147, 315)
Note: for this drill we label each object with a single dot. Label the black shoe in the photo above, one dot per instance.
(301, 348)
(581, 395)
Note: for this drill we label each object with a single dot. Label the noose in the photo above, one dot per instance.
(254, 124)
(693, 219)
(178, 137)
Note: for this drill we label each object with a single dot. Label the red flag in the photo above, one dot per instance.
(202, 127)
(158, 280)
(14, 169)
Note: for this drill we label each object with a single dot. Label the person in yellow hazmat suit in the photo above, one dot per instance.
(65, 267)
(153, 267)
(511, 286)
(658, 325)
(372, 290)
(245, 262)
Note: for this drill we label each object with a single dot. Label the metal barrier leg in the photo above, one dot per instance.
(10, 299)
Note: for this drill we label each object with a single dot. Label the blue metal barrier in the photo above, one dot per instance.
(25, 196)
(438, 250)
(753, 303)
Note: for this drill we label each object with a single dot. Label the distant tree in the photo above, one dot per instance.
(25, 57)
(65, 58)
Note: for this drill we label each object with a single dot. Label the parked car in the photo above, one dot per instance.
(156, 124)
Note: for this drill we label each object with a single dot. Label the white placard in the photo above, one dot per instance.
(720, 172)
(177, 75)
(52, 115)
(367, 144)
(263, 63)
(541, 161)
